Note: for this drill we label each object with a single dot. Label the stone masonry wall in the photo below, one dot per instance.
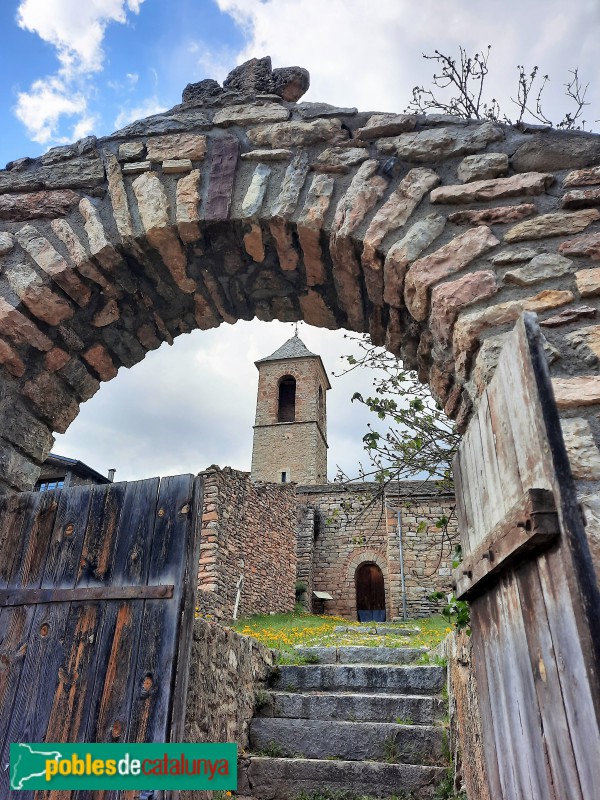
(298, 448)
(226, 672)
(305, 537)
(432, 233)
(355, 528)
(247, 529)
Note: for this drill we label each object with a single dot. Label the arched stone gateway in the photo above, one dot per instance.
(431, 233)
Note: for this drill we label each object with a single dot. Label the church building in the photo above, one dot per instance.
(283, 534)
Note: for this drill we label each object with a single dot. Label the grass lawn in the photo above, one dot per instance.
(284, 631)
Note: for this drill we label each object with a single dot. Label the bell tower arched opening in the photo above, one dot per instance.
(286, 407)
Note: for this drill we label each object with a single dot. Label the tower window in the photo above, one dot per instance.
(286, 409)
(284, 477)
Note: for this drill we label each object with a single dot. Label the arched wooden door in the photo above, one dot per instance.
(370, 593)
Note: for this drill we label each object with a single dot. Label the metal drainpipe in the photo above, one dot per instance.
(399, 525)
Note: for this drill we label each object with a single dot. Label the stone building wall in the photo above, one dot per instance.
(305, 533)
(298, 448)
(355, 528)
(247, 529)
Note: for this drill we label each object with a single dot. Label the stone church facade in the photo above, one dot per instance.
(357, 550)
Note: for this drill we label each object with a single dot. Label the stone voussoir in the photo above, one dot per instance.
(177, 146)
(557, 224)
(482, 167)
(450, 258)
(588, 282)
(37, 205)
(438, 143)
(493, 216)
(251, 114)
(297, 134)
(527, 183)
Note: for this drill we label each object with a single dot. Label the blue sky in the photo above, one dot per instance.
(76, 67)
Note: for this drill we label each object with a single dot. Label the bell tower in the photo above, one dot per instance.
(290, 431)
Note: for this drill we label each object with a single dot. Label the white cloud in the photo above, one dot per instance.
(370, 55)
(85, 127)
(41, 108)
(146, 108)
(76, 30)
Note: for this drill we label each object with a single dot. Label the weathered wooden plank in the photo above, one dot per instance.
(485, 626)
(223, 166)
(504, 445)
(493, 500)
(154, 675)
(463, 507)
(119, 637)
(21, 597)
(471, 488)
(545, 672)
(79, 648)
(98, 554)
(515, 373)
(15, 624)
(39, 674)
(577, 686)
(526, 719)
(31, 710)
(479, 626)
(577, 566)
(529, 526)
(188, 615)
(12, 518)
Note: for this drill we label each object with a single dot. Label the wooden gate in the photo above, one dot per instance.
(97, 601)
(528, 572)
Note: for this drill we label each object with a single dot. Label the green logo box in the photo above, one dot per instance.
(53, 766)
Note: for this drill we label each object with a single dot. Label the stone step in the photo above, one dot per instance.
(286, 778)
(407, 709)
(350, 741)
(361, 654)
(378, 629)
(371, 679)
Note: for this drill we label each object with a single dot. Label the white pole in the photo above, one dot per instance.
(238, 596)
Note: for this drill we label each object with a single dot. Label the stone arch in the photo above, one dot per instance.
(432, 234)
(363, 555)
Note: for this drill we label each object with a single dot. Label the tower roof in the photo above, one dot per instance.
(293, 348)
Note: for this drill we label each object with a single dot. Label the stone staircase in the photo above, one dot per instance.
(364, 721)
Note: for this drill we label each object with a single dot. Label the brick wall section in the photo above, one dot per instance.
(354, 529)
(298, 448)
(247, 528)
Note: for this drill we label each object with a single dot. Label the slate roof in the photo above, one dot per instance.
(293, 348)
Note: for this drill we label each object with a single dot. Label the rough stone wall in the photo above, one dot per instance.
(355, 528)
(430, 232)
(466, 741)
(305, 539)
(247, 529)
(226, 672)
(298, 448)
